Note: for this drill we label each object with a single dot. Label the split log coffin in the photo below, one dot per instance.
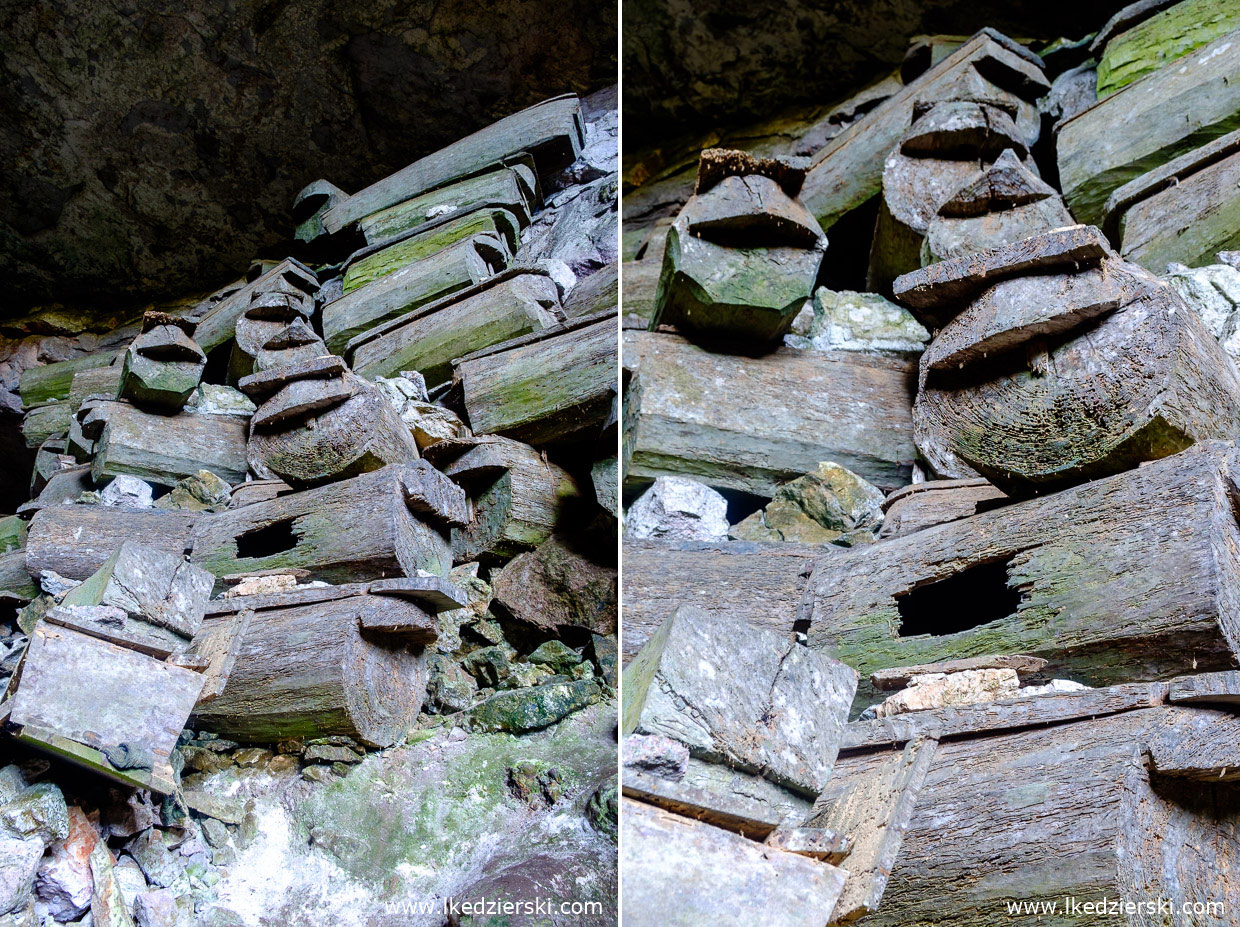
(315, 662)
(76, 540)
(53, 381)
(456, 267)
(1069, 810)
(551, 386)
(511, 185)
(1151, 121)
(280, 305)
(78, 696)
(216, 322)
(163, 449)
(511, 304)
(848, 170)
(553, 132)
(390, 522)
(1182, 211)
(49, 420)
(516, 496)
(716, 877)
(789, 411)
(1053, 577)
(1099, 350)
(163, 365)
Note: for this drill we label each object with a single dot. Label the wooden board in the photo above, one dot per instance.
(753, 423)
(1207, 689)
(1056, 581)
(933, 502)
(215, 648)
(552, 131)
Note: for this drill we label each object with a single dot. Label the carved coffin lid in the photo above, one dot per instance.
(717, 164)
(962, 129)
(263, 385)
(1004, 185)
(753, 211)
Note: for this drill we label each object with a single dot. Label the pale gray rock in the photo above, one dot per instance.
(676, 508)
(654, 753)
(19, 862)
(212, 399)
(942, 690)
(849, 321)
(38, 811)
(751, 699)
(55, 585)
(128, 491)
(1054, 687)
(1213, 292)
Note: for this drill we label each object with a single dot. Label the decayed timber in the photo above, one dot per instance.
(215, 649)
(1068, 810)
(1183, 211)
(875, 814)
(1110, 357)
(441, 274)
(101, 696)
(599, 292)
(900, 676)
(682, 873)
(356, 529)
(1207, 689)
(1003, 715)
(552, 386)
(735, 801)
(760, 583)
(794, 409)
(508, 305)
(1147, 123)
(76, 540)
(95, 383)
(217, 322)
(1160, 38)
(53, 381)
(752, 699)
(511, 186)
(516, 496)
(309, 670)
(163, 449)
(551, 131)
(66, 485)
(277, 304)
(847, 171)
(1056, 581)
(933, 502)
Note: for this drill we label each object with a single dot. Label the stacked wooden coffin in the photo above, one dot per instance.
(248, 515)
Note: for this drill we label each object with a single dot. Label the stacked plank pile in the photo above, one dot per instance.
(1046, 630)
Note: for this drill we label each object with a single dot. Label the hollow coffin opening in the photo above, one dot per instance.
(973, 597)
(266, 541)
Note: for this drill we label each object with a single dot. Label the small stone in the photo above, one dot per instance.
(262, 585)
(282, 763)
(849, 321)
(602, 810)
(130, 879)
(456, 735)
(556, 655)
(251, 756)
(213, 399)
(489, 665)
(487, 629)
(535, 784)
(55, 585)
(678, 509)
(327, 753)
(202, 760)
(828, 505)
(202, 492)
(214, 832)
(318, 773)
(449, 688)
(12, 783)
(156, 909)
(64, 882)
(520, 710)
(108, 906)
(160, 863)
(341, 769)
(38, 811)
(291, 746)
(19, 861)
(656, 754)
(127, 491)
(940, 690)
(522, 675)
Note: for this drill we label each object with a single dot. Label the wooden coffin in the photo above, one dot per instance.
(216, 322)
(163, 449)
(783, 414)
(1159, 117)
(49, 420)
(1069, 813)
(1154, 34)
(684, 873)
(516, 497)
(376, 261)
(552, 131)
(1182, 211)
(511, 186)
(848, 170)
(318, 662)
(53, 381)
(163, 365)
(390, 522)
(279, 308)
(456, 267)
(1052, 577)
(81, 698)
(1057, 373)
(509, 305)
(549, 387)
(76, 540)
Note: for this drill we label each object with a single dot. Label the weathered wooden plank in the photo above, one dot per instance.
(163, 365)
(352, 530)
(163, 449)
(847, 171)
(1162, 38)
(815, 842)
(551, 131)
(933, 502)
(454, 268)
(799, 408)
(898, 677)
(311, 671)
(516, 496)
(599, 292)
(1199, 744)
(551, 387)
(875, 814)
(759, 583)
(216, 648)
(1147, 123)
(510, 186)
(95, 383)
(1207, 689)
(716, 877)
(1005, 714)
(755, 700)
(66, 485)
(1052, 577)
(76, 540)
(508, 305)
(53, 381)
(1062, 811)
(103, 696)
